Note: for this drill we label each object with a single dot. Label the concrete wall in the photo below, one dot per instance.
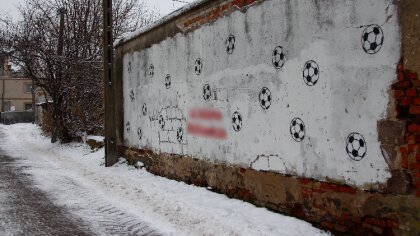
(364, 99)
(347, 94)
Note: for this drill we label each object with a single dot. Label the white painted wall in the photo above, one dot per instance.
(351, 94)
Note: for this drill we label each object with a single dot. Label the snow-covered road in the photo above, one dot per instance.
(123, 200)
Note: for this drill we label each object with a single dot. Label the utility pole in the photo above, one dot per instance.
(110, 129)
(61, 11)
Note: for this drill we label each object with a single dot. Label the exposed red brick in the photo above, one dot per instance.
(400, 76)
(404, 84)
(414, 128)
(376, 222)
(411, 92)
(418, 157)
(367, 226)
(415, 110)
(392, 223)
(398, 93)
(410, 139)
(328, 225)
(411, 75)
(414, 166)
(357, 220)
(329, 186)
(400, 67)
(344, 189)
(411, 147)
(305, 181)
(345, 216)
(318, 191)
(341, 228)
(405, 102)
(416, 101)
(416, 83)
(404, 162)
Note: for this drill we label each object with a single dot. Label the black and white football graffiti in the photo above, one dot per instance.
(129, 67)
(168, 81)
(198, 67)
(230, 44)
(144, 109)
(265, 98)
(372, 39)
(278, 57)
(311, 73)
(356, 146)
(206, 92)
(180, 134)
(151, 70)
(161, 122)
(132, 95)
(237, 121)
(140, 133)
(297, 129)
(128, 126)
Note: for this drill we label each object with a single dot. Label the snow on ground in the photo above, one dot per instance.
(77, 179)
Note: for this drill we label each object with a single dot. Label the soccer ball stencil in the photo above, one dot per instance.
(198, 66)
(265, 98)
(278, 57)
(168, 81)
(372, 39)
(311, 73)
(237, 121)
(132, 95)
(161, 122)
(297, 129)
(151, 70)
(206, 92)
(139, 133)
(144, 109)
(356, 146)
(230, 44)
(180, 134)
(128, 126)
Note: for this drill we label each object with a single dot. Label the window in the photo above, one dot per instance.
(7, 105)
(28, 88)
(28, 106)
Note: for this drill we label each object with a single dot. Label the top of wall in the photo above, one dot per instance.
(156, 24)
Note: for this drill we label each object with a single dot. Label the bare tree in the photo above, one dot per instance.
(66, 59)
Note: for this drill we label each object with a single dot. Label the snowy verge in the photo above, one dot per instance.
(172, 207)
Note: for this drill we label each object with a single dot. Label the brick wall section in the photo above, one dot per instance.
(407, 95)
(340, 208)
(216, 11)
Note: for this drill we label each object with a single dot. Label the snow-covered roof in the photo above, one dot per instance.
(132, 35)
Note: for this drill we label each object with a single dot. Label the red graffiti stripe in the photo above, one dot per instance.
(206, 114)
(208, 132)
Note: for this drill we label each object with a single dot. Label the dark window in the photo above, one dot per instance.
(28, 106)
(28, 88)
(6, 105)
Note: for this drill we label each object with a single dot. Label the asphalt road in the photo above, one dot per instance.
(25, 210)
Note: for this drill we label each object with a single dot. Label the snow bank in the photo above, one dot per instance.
(172, 207)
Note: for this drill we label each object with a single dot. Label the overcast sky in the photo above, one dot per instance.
(164, 6)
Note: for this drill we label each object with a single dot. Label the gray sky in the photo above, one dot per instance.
(164, 6)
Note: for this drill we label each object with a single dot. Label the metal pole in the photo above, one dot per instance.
(110, 130)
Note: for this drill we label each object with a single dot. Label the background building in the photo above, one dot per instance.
(15, 88)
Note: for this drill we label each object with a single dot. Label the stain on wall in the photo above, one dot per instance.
(295, 87)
